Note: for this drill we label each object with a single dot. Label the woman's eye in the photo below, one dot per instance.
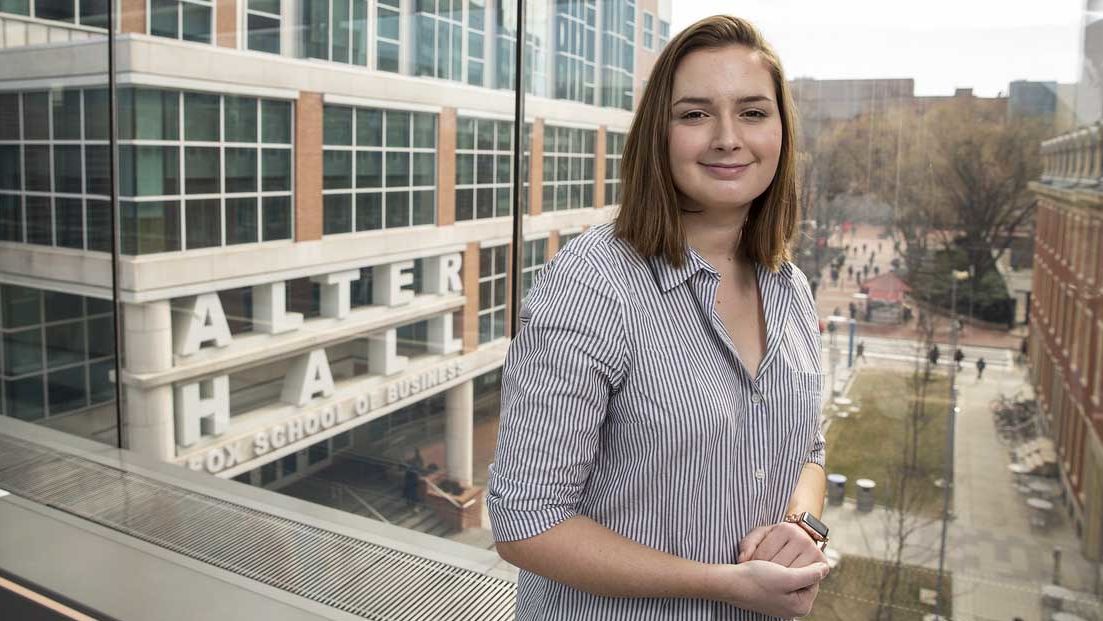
(755, 114)
(693, 114)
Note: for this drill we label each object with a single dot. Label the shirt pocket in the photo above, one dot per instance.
(802, 407)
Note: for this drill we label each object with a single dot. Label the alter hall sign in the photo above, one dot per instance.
(202, 408)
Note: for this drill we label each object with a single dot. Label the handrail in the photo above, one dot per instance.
(351, 492)
(1075, 158)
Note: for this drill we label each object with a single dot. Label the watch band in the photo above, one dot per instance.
(812, 526)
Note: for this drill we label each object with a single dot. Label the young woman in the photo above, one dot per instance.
(660, 403)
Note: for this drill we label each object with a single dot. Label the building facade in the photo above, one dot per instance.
(314, 208)
(1066, 322)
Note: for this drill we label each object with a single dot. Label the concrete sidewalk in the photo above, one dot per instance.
(999, 562)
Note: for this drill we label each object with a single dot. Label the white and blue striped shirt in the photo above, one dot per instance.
(623, 400)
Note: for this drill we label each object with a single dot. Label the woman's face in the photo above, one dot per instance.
(725, 129)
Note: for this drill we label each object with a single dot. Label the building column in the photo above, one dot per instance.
(553, 245)
(599, 168)
(446, 167)
(459, 432)
(226, 28)
(536, 168)
(308, 166)
(132, 18)
(148, 424)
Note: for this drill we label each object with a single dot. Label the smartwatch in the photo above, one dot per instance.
(816, 529)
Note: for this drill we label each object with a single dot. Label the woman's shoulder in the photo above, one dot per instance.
(598, 252)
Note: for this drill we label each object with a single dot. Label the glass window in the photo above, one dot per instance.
(277, 217)
(241, 170)
(276, 121)
(149, 170)
(164, 18)
(95, 114)
(241, 220)
(204, 223)
(196, 20)
(337, 169)
(22, 306)
(149, 227)
(241, 119)
(65, 343)
(369, 127)
(69, 222)
(24, 399)
(201, 117)
(11, 218)
(97, 170)
(337, 125)
(338, 214)
(201, 170)
(39, 220)
(23, 351)
(10, 178)
(36, 116)
(19, 7)
(93, 13)
(54, 9)
(37, 167)
(98, 214)
(387, 35)
(369, 211)
(67, 173)
(276, 170)
(66, 105)
(9, 113)
(264, 33)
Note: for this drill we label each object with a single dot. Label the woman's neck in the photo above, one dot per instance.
(716, 234)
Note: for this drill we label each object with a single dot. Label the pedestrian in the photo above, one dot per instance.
(933, 355)
(814, 283)
(853, 311)
(865, 270)
(409, 486)
(876, 270)
(861, 351)
(599, 401)
(850, 271)
(958, 357)
(417, 461)
(980, 367)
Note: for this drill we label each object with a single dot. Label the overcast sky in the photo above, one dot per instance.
(942, 44)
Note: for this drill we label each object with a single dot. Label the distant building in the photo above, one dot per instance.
(1027, 99)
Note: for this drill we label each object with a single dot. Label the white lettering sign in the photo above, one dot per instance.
(199, 320)
(335, 292)
(442, 274)
(202, 409)
(440, 335)
(383, 358)
(270, 314)
(308, 376)
(389, 282)
(301, 428)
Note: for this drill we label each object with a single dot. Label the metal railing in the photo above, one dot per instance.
(1074, 159)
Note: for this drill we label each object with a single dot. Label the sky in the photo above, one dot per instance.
(942, 44)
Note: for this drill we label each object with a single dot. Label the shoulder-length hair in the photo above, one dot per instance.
(649, 218)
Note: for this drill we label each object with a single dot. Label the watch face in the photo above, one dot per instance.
(814, 524)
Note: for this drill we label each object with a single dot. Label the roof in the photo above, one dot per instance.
(887, 287)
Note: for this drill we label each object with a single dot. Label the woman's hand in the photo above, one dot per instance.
(770, 588)
(784, 543)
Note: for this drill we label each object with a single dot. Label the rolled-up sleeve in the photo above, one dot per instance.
(567, 358)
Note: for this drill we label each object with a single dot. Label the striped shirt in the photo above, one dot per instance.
(623, 400)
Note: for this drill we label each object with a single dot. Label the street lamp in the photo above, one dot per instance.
(948, 478)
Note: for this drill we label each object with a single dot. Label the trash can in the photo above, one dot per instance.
(836, 489)
(865, 494)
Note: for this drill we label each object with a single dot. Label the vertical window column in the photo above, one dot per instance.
(388, 40)
(568, 168)
(263, 24)
(575, 23)
(614, 149)
(484, 159)
(493, 292)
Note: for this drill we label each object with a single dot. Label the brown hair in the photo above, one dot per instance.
(649, 218)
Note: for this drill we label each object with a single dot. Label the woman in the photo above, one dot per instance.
(660, 403)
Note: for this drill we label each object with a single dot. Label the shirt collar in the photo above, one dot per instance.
(667, 276)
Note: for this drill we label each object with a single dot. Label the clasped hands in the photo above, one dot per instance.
(778, 563)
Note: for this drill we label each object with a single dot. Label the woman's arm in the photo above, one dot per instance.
(585, 555)
(809, 493)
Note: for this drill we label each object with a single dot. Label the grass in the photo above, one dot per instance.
(873, 443)
(850, 592)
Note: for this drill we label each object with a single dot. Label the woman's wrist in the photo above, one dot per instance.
(720, 583)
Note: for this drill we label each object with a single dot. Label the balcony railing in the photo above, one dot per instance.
(1075, 159)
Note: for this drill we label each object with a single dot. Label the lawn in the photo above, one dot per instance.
(850, 592)
(872, 443)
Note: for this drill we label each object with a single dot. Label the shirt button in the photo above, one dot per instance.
(756, 398)
(760, 474)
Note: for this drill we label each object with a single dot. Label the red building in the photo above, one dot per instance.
(1066, 325)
